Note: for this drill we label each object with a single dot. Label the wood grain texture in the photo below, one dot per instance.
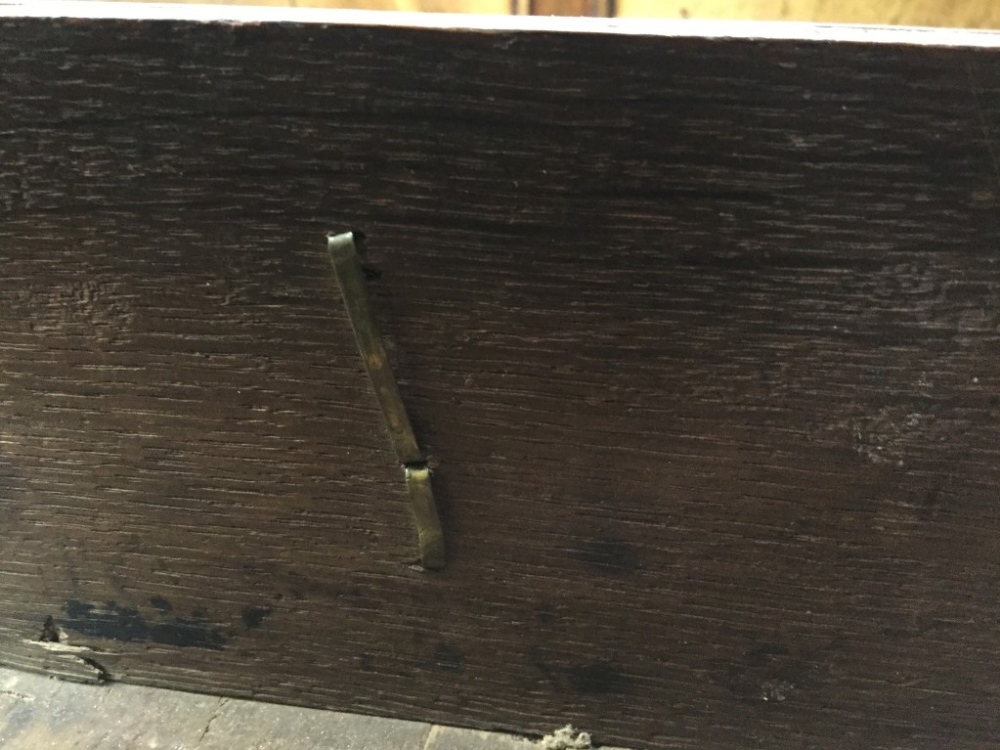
(405, 6)
(700, 336)
(979, 14)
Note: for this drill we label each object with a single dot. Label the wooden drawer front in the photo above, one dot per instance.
(699, 336)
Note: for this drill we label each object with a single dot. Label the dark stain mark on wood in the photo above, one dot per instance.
(253, 617)
(50, 631)
(161, 605)
(126, 624)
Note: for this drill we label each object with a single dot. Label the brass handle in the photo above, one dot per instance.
(351, 279)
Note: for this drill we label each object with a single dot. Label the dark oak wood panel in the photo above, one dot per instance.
(700, 335)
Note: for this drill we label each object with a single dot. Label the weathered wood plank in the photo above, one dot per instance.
(700, 335)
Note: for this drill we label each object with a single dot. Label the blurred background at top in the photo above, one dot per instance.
(982, 14)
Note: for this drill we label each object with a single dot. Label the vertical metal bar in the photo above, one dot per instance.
(351, 280)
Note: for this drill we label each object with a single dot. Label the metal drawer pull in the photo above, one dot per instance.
(351, 279)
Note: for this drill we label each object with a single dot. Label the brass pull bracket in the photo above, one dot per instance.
(351, 279)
